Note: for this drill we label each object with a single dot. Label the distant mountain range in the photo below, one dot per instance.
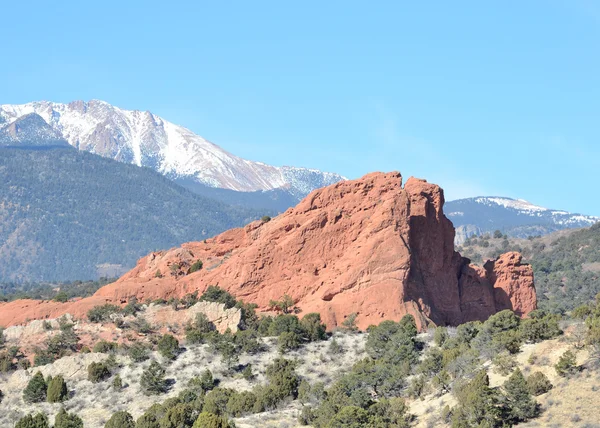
(514, 217)
(67, 214)
(144, 139)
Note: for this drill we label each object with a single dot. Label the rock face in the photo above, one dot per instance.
(216, 313)
(369, 246)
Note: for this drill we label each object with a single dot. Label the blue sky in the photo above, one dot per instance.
(484, 98)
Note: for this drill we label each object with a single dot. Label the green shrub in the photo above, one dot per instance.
(538, 383)
(282, 377)
(57, 390)
(203, 324)
(216, 294)
(285, 305)
(168, 347)
(247, 372)
(203, 383)
(519, 405)
(288, 341)
(247, 341)
(195, 267)
(314, 329)
(105, 347)
(539, 327)
(241, 403)
(153, 380)
(216, 401)
(67, 420)
(102, 313)
(98, 372)
(567, 364)
(132, 307)
(138, 352)
(38, 421)
(117, 383)
(63, 343)
(284, 323)
(350, 417)
(504, 364)
(394, 342)
(478, 404)
(61, 297)
(35, 391)
(209, 420)
(265, 219)
(179, 415)
(120, 419)
(151, 418)
(349, 324)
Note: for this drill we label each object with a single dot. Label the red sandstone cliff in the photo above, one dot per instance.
(368, 246)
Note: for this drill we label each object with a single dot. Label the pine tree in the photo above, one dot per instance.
(67, 420)
(120, 419)
(57, 390)
(38, 421)
(519, 405)
(153, 379)
(35, 391)
(478, 404)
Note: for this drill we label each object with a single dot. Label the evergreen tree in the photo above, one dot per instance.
(120, 419)
(153, 380)
(478, 404)
(210, 420)
(567, 363)
(67, 420)
(35, 391)
(168, 347)
(519, 405)
(38, 421)
(57, 390)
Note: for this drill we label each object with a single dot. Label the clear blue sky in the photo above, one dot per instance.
(482, 97)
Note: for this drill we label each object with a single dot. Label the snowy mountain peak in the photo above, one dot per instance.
(515, 204)
(144, 139)
(515, 217)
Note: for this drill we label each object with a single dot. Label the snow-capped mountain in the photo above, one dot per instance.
(144, 139)
(514, 217)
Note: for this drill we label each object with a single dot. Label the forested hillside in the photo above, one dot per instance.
(66, 215)
(566, 264)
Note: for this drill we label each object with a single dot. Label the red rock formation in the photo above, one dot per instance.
(368, 246)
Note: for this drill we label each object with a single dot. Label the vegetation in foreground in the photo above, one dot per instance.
(398, 368)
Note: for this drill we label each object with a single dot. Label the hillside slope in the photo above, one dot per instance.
(566, 264)
(65, 213)
(513, 217)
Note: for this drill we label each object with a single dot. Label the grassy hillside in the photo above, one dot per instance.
(66, 215)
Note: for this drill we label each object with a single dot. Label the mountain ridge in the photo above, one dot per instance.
(145, 139)
(514, 217)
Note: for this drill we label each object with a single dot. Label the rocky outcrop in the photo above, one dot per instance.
(216, 313)
(367, 246)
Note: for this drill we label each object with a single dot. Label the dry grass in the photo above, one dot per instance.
(95, 403)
